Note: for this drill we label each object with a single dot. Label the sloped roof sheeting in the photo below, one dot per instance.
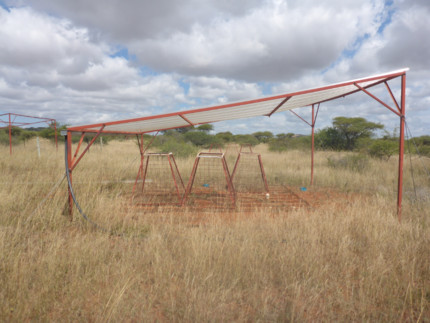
(238, 110)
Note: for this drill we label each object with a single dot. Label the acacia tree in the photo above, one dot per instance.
(263, 136)
(352, 129)
(346, 132)
(205, 128)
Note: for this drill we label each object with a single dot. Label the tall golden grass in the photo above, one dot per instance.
(349, 259)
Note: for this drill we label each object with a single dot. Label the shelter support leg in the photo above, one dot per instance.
(235, 165)
(174, 180)
(312, 124)
(69, 162)
(142, 157)
(263, 174)
(313, 145)
(401, 149)
(229, 182)
(401, 112)
(190, 181)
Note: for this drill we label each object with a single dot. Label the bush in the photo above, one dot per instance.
(356, 162)
(382, 149)
(423, 145)
(199, 138)
(178, 148)
(263, 136)
(329, 138)
(282, 143)
(246, 140)
(225, 136)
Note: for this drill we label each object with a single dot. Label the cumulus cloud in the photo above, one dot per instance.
(61, 59)
(273, 42)
(49, 66)
(254, 41)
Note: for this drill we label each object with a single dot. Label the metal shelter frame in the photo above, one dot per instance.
(221, 157)
(170, 160)
(13, 122)
(266, 106)
(260, 164)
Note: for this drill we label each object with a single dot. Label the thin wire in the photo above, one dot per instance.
(410, 162)
(46, 197)
(417, 150)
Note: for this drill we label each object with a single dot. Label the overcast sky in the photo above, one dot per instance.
(87, 61)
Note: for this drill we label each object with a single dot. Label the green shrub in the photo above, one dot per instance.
(178, 148)
(355, 162)
(287, 142)
(382, 149)
(246, 140)
(423, 145)
(225, 136)
(199, 138)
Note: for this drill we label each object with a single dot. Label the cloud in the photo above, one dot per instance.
(255, 41)
(50, 67)
(270, 43)
(137, 19)
(212, 89)
(36, 42)
(60, 59)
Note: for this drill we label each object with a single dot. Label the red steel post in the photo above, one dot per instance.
(229, 181)
(174, 178)
(401, 148)
(145, 172)
(263, 174)
(179, 174)
(313, 145)
(79, 147)
(236, 164)
(191, 180)
(69, 162)
(140, 171)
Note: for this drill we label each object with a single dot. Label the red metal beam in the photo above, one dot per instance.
(392, 97)
(301, 117)
(312, 125)
(69, 162)
(313, 144)
(377, 99)
(186, 119)
(79, 147)
(86, 149)
(278, 106)
(401, 148)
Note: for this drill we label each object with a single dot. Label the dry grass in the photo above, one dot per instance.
(348, 260)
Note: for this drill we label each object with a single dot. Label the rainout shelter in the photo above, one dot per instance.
(266, 106)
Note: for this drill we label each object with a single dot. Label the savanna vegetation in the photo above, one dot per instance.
(346, 259)
(345, 134)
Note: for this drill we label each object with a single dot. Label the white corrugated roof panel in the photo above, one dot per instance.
(244, 109)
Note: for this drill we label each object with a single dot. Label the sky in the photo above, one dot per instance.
(90, 61)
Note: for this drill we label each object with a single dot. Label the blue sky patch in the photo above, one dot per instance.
(4, 6)
(123, 52)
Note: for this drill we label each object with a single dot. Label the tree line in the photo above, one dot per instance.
(345, 134)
